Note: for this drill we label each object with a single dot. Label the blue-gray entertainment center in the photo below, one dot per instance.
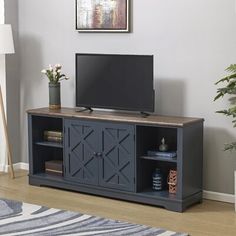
(105, 153)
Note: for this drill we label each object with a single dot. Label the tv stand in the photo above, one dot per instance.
(86, 109)
(106, 154)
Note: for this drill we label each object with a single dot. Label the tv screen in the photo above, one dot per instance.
(115, 81)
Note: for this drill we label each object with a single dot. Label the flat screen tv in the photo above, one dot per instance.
(115, 81)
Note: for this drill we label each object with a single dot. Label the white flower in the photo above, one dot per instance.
(54, 73)
(58, 66)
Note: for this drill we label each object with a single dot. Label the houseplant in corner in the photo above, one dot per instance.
(229, 88)
(55, 76)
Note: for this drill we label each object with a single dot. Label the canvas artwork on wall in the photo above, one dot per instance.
(102, 15)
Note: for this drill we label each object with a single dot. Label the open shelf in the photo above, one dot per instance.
(43, 150)
(147, 166)
(49, 144)
(159, 158)
(149, 138)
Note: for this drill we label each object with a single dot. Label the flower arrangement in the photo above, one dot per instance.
(54, 74)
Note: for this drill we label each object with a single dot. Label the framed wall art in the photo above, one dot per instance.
(102, 15)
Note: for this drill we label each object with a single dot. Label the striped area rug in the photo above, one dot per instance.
(19, 218)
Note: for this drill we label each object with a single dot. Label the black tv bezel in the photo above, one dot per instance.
(112, 107)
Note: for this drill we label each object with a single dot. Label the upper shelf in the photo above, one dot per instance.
(159, 158)
(118, 116)
(50, 144)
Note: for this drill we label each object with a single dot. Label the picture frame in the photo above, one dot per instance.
(103, 16)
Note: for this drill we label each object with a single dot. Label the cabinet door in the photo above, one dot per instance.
(116, 163)
(81, 145)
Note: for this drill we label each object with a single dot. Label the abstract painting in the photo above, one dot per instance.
(102, 15)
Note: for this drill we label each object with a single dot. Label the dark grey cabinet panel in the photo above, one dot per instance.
(99, 153)
(81, 162)
(117, 161)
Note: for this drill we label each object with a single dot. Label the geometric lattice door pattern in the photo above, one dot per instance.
(100, 154)
(81, 161)
(116, 165)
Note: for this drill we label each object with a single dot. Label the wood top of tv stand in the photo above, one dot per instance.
(117, 116)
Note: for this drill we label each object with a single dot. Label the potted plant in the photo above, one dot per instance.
(55, 76)
(229, 88)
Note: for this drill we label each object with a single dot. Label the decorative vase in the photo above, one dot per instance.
(172, 181)
(163, 147)
(157, 180)
(54, 96)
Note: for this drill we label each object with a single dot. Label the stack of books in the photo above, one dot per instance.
(54, 167)
(169, 154)
(53, 136)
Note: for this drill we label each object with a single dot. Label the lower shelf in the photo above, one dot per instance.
(50, 144)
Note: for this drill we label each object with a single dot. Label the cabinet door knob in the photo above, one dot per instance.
(99, 154)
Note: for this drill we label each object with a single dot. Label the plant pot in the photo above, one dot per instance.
(54, 96)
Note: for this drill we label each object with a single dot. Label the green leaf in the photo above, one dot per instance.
(225, 112)
(218, 96)
(230, 146)
(222, 80)
(231, 68)
(226, 78)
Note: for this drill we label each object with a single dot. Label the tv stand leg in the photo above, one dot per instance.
(144, 114)
(86, 109)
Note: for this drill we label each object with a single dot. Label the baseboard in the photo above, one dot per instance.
(216, 196)
(3, 168)
(16, 166)
(21, 166)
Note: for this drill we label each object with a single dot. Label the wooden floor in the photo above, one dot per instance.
(208, 218)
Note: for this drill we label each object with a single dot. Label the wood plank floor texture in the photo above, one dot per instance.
(209, 218)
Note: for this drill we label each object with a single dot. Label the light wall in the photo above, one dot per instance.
(1, 11)
(13, 82)
(10, 83)
(192, 41)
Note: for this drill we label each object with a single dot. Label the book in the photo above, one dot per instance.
(54, 164)
(53, 172)
(53, 139)
(52, 133)
(54, 167)
(170, 154)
